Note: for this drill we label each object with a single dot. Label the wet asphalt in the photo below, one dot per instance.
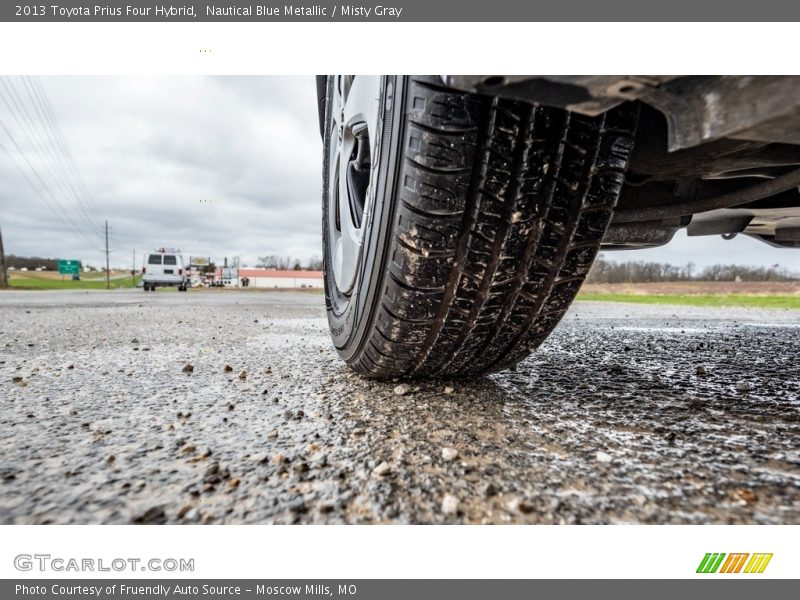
(233, 407)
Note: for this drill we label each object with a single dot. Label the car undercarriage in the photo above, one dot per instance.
(716, 155)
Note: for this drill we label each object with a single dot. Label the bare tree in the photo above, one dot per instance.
(267, 262)
(314, 263)
(284, 262)
(605, 271)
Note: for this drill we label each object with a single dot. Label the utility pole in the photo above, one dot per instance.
(108, 272)
(133, 268)
(3, 275)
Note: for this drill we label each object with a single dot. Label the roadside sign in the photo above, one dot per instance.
(69, 267)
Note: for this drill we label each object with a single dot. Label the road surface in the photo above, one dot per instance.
(232, 407)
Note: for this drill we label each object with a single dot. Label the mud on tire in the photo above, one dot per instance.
(488, 214)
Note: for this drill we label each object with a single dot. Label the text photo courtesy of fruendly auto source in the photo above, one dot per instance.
(399, 299)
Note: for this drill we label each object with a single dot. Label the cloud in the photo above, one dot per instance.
(217, 166)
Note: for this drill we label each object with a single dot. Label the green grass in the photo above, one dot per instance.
(711, 300)
(40, 283)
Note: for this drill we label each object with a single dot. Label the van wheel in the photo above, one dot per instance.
(458, 228)
(145, 287)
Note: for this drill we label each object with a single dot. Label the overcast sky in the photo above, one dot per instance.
(216, 166)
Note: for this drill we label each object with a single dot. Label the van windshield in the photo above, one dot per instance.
(154, 259)
(170, 260)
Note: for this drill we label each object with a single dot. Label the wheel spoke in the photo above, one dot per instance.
(363, 101)
(348, 227)
(340, 87)
(355, 106)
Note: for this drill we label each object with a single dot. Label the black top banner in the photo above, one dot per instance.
(403, 11)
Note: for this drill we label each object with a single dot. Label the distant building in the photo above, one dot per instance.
(273, 278)
(226, 276)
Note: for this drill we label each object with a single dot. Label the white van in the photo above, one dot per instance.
(164, 268)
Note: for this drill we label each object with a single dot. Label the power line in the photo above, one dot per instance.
(52, 137)
(78, 204)
(21, 116)
(66, 147)
(40, 129)
(52, 120)
(52, 205)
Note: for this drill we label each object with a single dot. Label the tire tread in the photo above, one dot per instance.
(500, 212)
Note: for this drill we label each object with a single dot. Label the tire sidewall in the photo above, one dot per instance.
(349, 318)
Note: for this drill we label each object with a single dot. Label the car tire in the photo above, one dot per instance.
(476, 219)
